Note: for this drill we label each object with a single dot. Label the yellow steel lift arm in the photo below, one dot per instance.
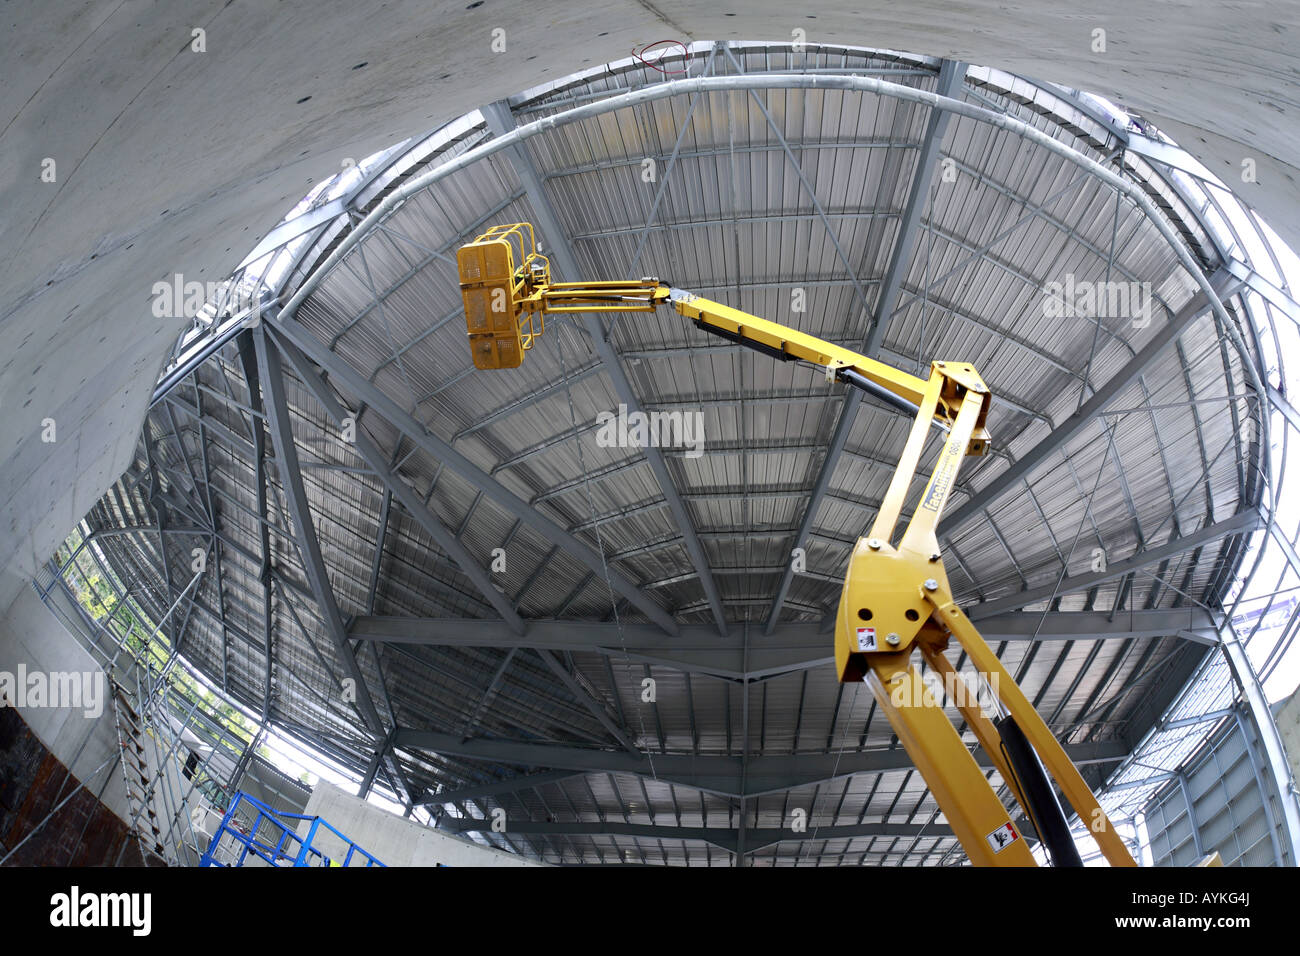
(896, 598)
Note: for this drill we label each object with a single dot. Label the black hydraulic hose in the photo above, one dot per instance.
(860, 381)
(1044, 808)
(846, 375)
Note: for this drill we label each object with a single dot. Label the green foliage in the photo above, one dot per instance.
(141, 637)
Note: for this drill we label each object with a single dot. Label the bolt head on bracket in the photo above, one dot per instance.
(882, 607)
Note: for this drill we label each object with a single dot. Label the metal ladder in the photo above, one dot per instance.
(136, 775)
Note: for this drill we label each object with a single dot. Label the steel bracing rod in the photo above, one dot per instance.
(410, 500)
(180, 447)
(983, 252)
(329, 705)
(984, 180)
(1239, 523)
(858, 288)
(731, 776)
(271, 378)
(951, 75)
(541, 394)
(662, 188)
(1225, 287)
(175, 401)
(530, 698)
(799, 145)
(1243, 522)
(489, 694)
(440, 592)
(395, 354)
(494, 788)
(372, 769)
(594, 706)
(289, 330)
(501, 122)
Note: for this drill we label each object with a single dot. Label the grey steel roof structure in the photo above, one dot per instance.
(349, 477)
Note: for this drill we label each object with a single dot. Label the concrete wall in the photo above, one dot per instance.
(392, 839)
(266, 783)
(1287, 715)
(31, 635)
(170, 160)
(1220, 807)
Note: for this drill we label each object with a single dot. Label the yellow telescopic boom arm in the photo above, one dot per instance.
(896, 598)
(896, 387)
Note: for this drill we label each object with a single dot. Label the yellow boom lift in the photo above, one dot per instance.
(896, 599)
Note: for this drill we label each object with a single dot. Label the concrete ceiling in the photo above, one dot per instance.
(173, 161)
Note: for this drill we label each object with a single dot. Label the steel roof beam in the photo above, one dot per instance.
(501, 121)
(761, 773)
(277, 413)
(791, 647)
(724, 838)
(255, 378)
(594, 706)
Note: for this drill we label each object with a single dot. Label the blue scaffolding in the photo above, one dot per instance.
(270, 836)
